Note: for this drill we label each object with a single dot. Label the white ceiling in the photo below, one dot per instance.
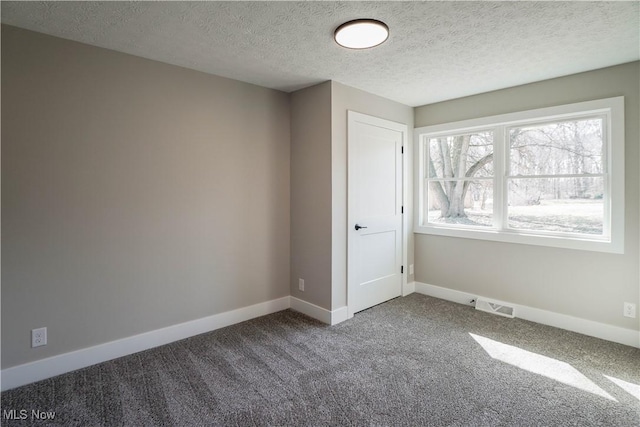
(436, 50)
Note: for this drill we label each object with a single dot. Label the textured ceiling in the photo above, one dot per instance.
(436, 50)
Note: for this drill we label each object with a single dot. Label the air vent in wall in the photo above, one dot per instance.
(495, 307)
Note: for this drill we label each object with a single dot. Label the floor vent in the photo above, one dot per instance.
(494, 307)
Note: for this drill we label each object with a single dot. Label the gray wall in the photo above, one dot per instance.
(135, 194)
(589, 285)
(311, 194)
(344, 98)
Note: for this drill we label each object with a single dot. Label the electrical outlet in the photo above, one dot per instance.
(629, 310)
(301, 284)
(411, 269)
(38, 337)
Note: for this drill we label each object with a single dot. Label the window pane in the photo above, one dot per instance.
(461, 156)
(468, 203)
(570, 205)
(570, 147)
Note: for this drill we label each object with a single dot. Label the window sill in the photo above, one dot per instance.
(584, 244)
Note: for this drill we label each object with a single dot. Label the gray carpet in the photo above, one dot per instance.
(409, 362)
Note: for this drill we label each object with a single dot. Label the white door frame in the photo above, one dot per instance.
(352, 117)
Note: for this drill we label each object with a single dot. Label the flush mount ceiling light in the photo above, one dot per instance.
(361, 33)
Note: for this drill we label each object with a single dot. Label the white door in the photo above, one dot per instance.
(375, 210)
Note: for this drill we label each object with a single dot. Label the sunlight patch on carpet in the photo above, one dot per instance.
(539, 364)
(631, 388)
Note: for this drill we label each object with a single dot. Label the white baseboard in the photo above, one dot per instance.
(583, 326)
(322, 314)
(339, 315)
(408, 289)
(444, 293)
(67, 362)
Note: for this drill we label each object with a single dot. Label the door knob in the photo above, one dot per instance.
(358, 227)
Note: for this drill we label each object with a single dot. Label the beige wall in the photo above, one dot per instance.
(311, 194)
(344, 98)
(135, 194)
(589, 285)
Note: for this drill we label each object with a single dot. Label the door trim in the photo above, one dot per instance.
(352, 118)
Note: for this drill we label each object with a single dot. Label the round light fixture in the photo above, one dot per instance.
(361, 33)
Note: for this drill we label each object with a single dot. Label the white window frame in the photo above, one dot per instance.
(612, 112)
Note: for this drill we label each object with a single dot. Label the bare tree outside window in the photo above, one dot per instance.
(551, 176)
(554, 177)
(461, 179)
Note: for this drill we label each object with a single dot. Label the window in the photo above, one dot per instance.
(553, 177)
